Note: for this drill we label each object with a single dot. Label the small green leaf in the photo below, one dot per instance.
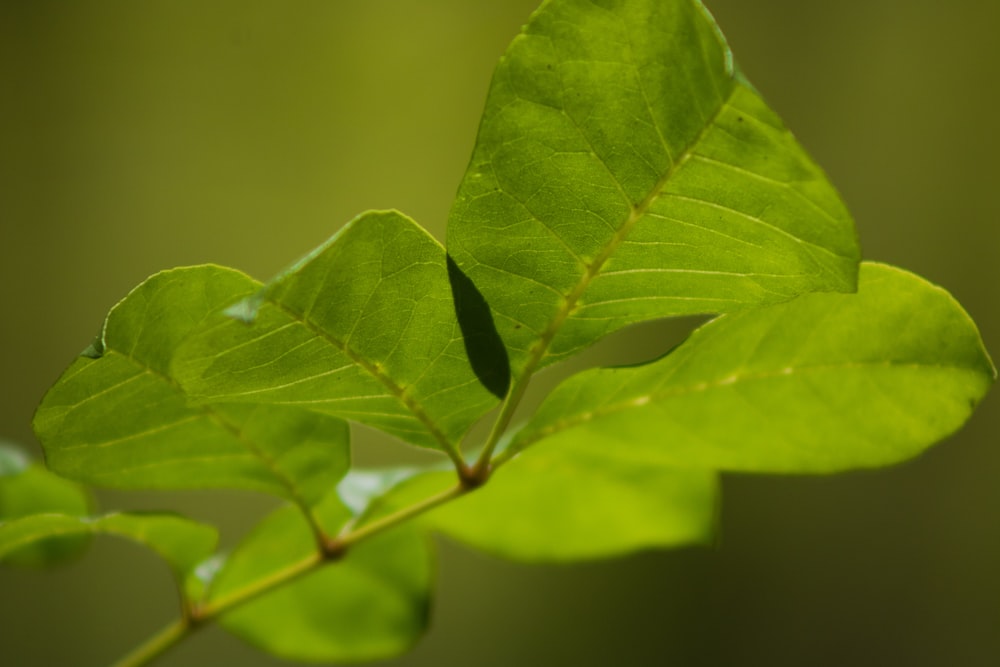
(823, 383)
(27, 489)
(363, 328)
(370, 605)
(118, 417)
(179, 541)
(625, 171)
(546, 506)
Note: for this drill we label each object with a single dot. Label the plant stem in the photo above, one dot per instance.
(259, 587)
(157, 644)
(330, 551)
(369, 529)
(481, 468)
(334, 549)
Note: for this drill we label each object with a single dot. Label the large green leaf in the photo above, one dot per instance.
(28, 488)
(822, 383)
(363, 328)
(370, 605)
(624, 171)
(118, 417)
(181, 542)
(547, 506)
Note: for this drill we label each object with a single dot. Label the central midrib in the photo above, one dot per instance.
(396, 391)
(208, 411)
(732, 379)
(636, 212)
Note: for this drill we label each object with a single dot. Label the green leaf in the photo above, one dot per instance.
(823, 383)
(118, 417)
(363, 328)
(370, 605)
(181, 542)
(27, 489)
(624, 171)
(547, 506)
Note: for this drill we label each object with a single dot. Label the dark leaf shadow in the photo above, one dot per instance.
(483, 344)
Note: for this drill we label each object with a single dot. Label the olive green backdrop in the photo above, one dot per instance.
(136, 136)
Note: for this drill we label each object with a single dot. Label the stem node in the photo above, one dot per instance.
(474, 476)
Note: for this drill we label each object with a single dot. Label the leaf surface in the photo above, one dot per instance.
(181, 542)
(371, 605)
(625, 171)
(546, 506)
(27, 488)
(363, 328)
(118, 417)
(824, 383)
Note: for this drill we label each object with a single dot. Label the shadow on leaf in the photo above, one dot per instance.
(483, 344)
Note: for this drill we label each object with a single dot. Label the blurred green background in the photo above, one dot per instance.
(137, 136)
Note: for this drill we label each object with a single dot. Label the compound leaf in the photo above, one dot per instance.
(370, 605)
(625, 171)
(118, 417)
(363, 328)
(823, 383)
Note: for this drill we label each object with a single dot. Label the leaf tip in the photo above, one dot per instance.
(96, 348)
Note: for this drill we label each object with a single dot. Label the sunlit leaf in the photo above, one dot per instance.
(363, 328)
(823, 383)
(625, 171)
(117, 417)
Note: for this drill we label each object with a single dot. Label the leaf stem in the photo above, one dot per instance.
(379, 525)
(331, 551)
(157, 644)
(259, 587)
(481, 469)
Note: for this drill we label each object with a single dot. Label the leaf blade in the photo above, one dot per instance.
(856, 380)
(29, 488)
(181, 542)
(363, 328)
(545, 506)
(564, 205)
(118, 417)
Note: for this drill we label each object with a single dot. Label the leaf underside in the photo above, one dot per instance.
(118, 416)
(27, 489)
(363, 328)
(624, 171)
(549, 507)
(182, 543)
(824, 383)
